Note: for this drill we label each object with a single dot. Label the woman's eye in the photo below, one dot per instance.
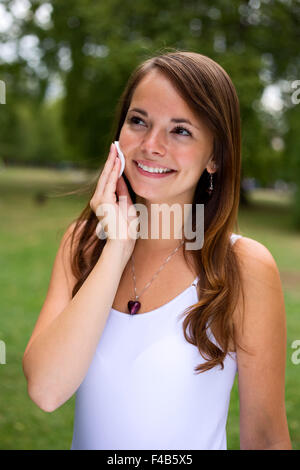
(134, 120)
(180, 128)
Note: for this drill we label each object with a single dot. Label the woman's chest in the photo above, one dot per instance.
(170, 281)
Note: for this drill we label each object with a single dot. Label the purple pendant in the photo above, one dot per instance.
(133, 306)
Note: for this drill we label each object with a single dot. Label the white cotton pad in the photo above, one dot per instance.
(121, 156)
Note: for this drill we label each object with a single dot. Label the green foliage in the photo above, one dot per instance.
(32, 133)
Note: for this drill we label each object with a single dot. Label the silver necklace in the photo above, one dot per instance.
(135, 305)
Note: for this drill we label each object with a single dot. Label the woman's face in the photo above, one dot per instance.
(151, 135)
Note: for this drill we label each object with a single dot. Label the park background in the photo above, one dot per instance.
(64, 66)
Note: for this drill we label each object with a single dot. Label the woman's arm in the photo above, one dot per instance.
(261, 376)
(68, 330)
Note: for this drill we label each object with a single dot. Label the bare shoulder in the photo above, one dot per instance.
(70, 234)
(261, 294)
(70, 230)
(255, 260)
(66, 250)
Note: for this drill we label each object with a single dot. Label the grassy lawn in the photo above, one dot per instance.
(30, 235)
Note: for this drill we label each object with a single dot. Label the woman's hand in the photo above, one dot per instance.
(122, 219)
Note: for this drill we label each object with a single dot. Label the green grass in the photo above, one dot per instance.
(29, 237)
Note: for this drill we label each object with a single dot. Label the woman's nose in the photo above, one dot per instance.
(154, 142)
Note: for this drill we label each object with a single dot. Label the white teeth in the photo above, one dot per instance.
(153, 170)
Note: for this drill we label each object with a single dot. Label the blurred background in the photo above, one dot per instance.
(63, 67)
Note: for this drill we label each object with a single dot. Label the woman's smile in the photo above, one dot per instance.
(150, 174)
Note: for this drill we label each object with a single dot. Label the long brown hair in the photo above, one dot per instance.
(210, 93)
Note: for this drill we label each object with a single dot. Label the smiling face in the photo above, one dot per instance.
(151, 136)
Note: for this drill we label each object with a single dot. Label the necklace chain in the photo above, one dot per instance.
(155, 275)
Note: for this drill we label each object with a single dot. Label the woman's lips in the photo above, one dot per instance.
(153, 175)
(152, 164)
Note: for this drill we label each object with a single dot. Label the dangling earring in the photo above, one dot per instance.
(210, 189)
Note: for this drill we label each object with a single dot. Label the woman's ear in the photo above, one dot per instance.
(211, 167)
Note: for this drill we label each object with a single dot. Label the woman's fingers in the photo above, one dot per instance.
(105, 176)
(111, 183)
(107, 169)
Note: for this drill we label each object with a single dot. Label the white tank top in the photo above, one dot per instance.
(141, 391)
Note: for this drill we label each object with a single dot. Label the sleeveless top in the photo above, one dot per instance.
(141, 390)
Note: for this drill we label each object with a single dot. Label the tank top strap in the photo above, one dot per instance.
(234, 237)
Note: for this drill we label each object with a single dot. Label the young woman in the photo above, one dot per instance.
(147, 333)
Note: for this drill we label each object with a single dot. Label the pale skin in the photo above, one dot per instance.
(263, 422)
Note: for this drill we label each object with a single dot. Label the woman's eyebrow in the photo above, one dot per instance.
(177, 120)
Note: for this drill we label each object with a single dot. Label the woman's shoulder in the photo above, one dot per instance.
(81, 224)
(262, 291)
(253, 253)
(70, 239)
(258, 268)
(70, 230)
